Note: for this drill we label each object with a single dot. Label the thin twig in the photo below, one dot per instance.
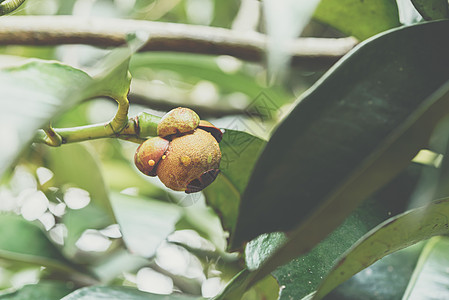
(57, 30)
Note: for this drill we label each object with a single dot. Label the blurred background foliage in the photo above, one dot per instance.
(83, 213)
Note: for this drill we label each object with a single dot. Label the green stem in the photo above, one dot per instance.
(120, 119)
(52, 138)
(134, 130)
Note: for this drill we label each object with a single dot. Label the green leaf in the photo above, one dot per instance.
(121, 293)
(144, 223)
(394, 234)
(44, 290)
(385, 279)
(239, 154)
(112, 76)
(432, 9)
(16, 240)
(430, 279)
(319, 261)
(51, 88)
(351, 133)
(360, 19)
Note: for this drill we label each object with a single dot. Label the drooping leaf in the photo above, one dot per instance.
(121, 293)
(17, 236)
(430, 279)
(351, 133)
(360, 19)
(144, 223)
(432, 9)
(239, 154)
(51, 88)
(44, 290)
(394, 234)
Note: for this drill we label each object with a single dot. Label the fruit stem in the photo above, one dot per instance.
(134, 130)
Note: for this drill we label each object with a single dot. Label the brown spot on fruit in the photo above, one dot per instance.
(185, 160)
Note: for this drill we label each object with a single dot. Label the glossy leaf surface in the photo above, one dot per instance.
(394, 234)
(385, 279)
(361, 118)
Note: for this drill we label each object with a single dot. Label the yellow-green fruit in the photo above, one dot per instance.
(187, 158)
(177, 121)
(149, 153)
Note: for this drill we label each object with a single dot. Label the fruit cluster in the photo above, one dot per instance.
(185, 155)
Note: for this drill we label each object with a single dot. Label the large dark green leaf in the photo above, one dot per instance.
(349, 135)
(46, 290)
(432, 9)
(390, 236)
(361, 19)
(120, 293)
(317, 263)
(239, 154)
